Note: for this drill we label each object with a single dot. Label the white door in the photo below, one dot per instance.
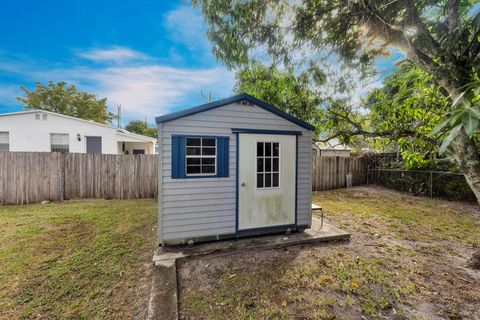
(266, 178)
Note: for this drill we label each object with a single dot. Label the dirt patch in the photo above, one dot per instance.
(407, 260)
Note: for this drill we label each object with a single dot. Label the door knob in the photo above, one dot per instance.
(243, 184)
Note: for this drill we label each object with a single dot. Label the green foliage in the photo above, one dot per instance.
(67, 100)
(289, 92)
(466, 115)
(442, 38)
(407, 107)
(141, 127)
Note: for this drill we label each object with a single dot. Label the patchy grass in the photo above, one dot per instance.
(77, 259)
(405, 261)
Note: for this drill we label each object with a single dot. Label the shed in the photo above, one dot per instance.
(231, 168)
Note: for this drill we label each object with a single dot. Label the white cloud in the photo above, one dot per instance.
(113, 54)
(8, 94)
(145, 88)
(185, 25)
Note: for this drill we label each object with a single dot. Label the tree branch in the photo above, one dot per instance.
(422, 30)
(452, 19)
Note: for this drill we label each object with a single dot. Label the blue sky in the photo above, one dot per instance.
(152, 57)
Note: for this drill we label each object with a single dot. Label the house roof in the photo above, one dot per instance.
(119, 130)
(224, 102)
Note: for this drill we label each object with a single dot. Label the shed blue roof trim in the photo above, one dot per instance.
(224, 102)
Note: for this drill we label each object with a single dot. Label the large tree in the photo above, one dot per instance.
(440, 37)
(141, 127)
(64, 99)
(403, 112)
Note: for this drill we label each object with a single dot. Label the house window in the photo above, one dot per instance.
(200, 157)
(201, 154)
(4, 141)
(59, 142)
(268, 165)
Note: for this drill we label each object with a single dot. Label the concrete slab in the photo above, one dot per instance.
(313, 235)
(163, 302)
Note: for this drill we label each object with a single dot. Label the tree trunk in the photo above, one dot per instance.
(466, 155)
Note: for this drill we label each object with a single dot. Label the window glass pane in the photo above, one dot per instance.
(191, 161)
(193, 151)
(200, 155)
(259, 149)
(208, 151)
(209, 161)
(260, 180)
(275, 164)
(4, 147)
(268, 149)
(208, 169)
(275, 179)
(193, 169)
(59, 148)
(58, 138)
(259, 164)
(275, 149)
(268, 180)
(268, 164)
(193, 141)
(4, 137)
(208, 142)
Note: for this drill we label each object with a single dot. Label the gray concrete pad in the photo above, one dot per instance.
(163, 302)
(163, 297)
(313, 235)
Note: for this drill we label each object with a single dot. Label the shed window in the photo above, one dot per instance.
(268, 165)
(4, 141)
(201, 154)
(59, 142)
(200, 157)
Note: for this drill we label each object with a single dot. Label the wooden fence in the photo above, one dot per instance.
(330, 172)
(30, 177)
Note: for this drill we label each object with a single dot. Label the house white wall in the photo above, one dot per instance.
(28, 133)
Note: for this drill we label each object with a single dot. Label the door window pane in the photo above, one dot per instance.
(268, 164)
(268, 149)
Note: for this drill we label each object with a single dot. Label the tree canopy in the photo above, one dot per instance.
(440, 37)
(141, 127)
(66, 99)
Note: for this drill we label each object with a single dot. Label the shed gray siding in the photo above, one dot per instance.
(206, 207)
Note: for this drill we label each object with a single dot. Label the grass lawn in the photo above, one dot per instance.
(77, 259)
(406, 260)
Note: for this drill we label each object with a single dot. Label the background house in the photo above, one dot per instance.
(332, 148)
(44, 131)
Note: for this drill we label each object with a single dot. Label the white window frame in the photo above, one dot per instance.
(8, 140)
(63, 134)
(201, 156)
(271, 172)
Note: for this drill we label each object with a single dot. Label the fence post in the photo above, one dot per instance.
(61, 185)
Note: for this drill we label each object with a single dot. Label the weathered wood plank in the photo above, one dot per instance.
(31, 177)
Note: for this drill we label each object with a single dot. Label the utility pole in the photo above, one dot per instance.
(119, 115)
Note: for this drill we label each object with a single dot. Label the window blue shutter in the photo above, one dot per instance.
(223, 153)
(178, 157)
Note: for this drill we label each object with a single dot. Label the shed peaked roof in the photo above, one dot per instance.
(224, 102)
